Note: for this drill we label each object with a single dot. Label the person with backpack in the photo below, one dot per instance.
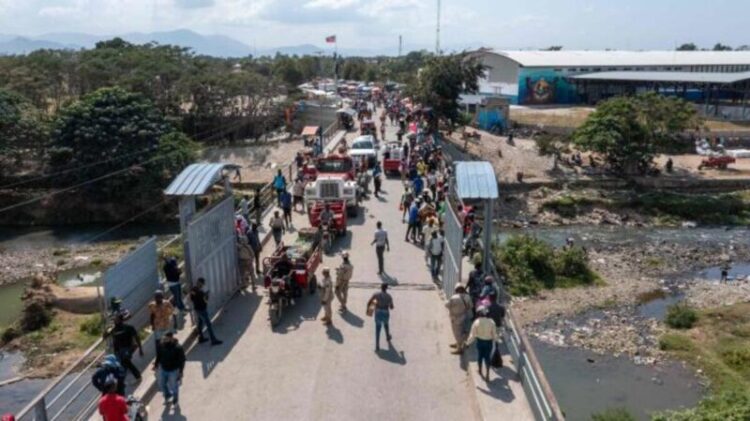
(110, 366)
(460, 310)
(279, 184)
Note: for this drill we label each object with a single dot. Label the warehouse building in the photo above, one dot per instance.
(719, 80)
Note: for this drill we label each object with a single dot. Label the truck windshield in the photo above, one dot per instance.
(362, 145)
(334, 165)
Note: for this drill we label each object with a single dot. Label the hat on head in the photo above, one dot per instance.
(326, 271)
(345, 255)
(158, 293)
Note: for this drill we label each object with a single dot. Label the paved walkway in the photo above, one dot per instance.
(304, 371)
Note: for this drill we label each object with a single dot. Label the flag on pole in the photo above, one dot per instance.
(331, 39)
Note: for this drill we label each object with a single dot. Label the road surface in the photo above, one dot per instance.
(303, 370)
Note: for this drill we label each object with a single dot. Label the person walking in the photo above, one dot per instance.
(244, 207)
(172, 273)
(412, 232)
(170, 361)
(199, 296)
(484, 332)
(460, 310)
(376, 179)
(253, 238)
(326, 296)
(343, 275)
(161, 313)
(277, 228)
(406, 200)
(257, 207)
(435, 247)
(113, 406)
(246, 257)
(383, 304)
(286, 207)
(125, 341)
(380, 240)
(298, 194)
(279, 184)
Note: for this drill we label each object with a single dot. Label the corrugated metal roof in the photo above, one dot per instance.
(626, 58)
(310, 130)
(476, 180)
(689, 77)
(196, 179)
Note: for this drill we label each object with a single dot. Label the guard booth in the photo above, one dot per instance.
(208, 236)
(473, 185)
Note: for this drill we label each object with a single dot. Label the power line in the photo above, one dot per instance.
(91, 181)
(125, 222)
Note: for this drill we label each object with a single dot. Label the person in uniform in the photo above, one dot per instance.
(460, 310)
(343, 275)
(246, 257)
(326, 296)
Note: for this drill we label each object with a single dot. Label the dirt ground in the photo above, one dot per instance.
(575, 116)
(259, 163)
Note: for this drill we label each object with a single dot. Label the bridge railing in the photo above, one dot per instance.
(70, 396)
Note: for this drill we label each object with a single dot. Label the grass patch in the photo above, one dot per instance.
(613, 414)
(61, 262)
(715, 346)
(709, 209)
(568, 206)
(675, 342)
(681, 316)
(96, 262)
(61, 252)
(531, 265)
(648, 296)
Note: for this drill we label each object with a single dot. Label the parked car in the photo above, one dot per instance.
(364, 147)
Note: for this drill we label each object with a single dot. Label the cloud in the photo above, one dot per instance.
(194, 4)
(330, 4)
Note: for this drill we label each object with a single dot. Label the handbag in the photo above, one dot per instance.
(371, 308)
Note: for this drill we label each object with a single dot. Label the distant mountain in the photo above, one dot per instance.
(212, 45)
(21, 45)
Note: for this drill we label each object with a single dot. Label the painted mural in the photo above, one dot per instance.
(545, 86)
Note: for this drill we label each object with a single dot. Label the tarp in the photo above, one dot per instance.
(310, 131)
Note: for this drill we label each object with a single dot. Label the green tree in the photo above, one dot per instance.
(629, 130)
(117, 130)
(687, 47)
(23, 130)
(443, 79)
(721, 47)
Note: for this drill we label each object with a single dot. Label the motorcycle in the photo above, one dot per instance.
(281, 295)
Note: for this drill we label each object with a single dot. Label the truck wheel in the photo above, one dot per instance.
(274, 313)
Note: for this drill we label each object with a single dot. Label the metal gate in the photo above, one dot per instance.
(452, 254)
(213, 252)
(133, 280)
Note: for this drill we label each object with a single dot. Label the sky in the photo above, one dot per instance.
(573, 24)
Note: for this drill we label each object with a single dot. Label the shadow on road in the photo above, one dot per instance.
(306, 308)
(334, 334)
(392, 355)
(229, 328)
(172, 414)
(352, 319)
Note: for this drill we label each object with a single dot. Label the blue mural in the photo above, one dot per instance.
(545, 86)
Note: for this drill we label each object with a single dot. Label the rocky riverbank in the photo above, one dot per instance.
(642, 279)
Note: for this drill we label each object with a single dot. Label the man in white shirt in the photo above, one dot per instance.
(381, 243)
(435, 247)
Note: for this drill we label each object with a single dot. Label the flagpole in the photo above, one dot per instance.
(335, 65)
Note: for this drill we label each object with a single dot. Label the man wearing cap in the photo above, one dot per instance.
(326, 296)
(460, 309)
(160, 316)
(343, 275)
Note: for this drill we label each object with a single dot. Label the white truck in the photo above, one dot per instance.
(333, 188)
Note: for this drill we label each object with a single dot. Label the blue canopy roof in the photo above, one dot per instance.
(476, 180)
(196, 179)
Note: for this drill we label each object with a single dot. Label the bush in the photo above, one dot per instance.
(531, 265)
(92, 325)
(9, 334)
(615, 414)
(727, 406)
(675, 342)
(35, 315)
(703, 208)
(681, 316)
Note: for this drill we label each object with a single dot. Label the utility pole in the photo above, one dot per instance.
(437, 31)
(400, 45)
